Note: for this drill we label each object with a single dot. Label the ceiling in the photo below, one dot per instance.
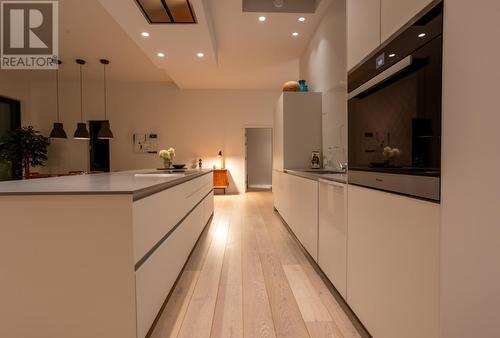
(240, 52)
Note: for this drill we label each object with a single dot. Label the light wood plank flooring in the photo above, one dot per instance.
(248, 277)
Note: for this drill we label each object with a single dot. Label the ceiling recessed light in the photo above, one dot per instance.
(145, 34)
(392, 55)
(295, 34)
(421, 35)
(262, 18)
(302, 19)
(161, 55)
(200, 55)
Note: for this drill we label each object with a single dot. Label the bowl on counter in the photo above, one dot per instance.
(178, 166)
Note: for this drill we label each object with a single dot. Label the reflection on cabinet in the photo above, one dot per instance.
(396, 13)
(332, 233)
(393, 263)
(363, 29)
(297, 129)
(297, 203)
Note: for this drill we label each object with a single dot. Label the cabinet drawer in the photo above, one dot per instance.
(155, 215)
(155, 278)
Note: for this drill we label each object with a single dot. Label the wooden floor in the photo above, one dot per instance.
(248, 277)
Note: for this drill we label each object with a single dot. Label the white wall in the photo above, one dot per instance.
(259, 157)
(323, 64)
(198, 123)
(470, 254)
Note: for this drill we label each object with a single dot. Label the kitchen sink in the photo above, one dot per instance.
(323, 172)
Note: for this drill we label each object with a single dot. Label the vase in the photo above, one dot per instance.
(167, 163)
(303, 86)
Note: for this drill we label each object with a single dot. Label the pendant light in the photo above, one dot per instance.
(105, 132)
(81, 132)
(58, 129)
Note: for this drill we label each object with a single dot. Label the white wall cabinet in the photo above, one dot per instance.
(332, 233)
(297, 129)
(371, 22)
(393, 263)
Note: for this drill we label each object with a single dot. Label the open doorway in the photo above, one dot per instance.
(10, 119)
(259, 158)
(99, 149)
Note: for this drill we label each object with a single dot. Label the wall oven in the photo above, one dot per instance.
(394, 111)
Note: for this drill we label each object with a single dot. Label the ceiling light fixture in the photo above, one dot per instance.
(161, 55)
(421, 35)
(145, 34)
(58, 130)
(302, 19)
(105, 132)
(200, 55)
(81, 132)
(392, 55)
(262, 18)
(278, 3)
(295, 34)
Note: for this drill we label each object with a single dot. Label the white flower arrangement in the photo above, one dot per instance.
(167, 154)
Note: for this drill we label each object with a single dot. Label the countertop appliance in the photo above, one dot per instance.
(394, 111)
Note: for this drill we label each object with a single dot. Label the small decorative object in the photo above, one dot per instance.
(315, 160)
(303, 86)
(222, 163)
(200, 163)
(391, 154)
(167, 156)
(291, 86)
(25, 146)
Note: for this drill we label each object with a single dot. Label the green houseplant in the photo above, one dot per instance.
(26, 146)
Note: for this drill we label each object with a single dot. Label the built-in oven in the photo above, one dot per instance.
(394, 111)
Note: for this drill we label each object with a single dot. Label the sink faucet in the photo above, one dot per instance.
(343, 166)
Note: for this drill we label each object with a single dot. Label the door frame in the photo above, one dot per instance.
(255, 126)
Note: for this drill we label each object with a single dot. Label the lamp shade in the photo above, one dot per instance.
(81, 132)
(105, 132)
(58, 131)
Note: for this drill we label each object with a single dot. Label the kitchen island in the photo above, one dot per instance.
(96, 255)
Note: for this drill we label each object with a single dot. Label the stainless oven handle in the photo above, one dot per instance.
(386, 74)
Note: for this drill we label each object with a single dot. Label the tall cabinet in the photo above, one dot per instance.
(297, 129)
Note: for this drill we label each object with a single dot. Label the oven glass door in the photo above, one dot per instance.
(395, 126)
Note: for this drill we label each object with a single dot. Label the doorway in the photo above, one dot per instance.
(99, 149)
(259, 158)
(10, 119)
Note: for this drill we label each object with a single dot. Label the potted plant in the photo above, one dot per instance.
(167, 156)
(25, 146)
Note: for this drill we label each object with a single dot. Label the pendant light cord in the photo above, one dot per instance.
(57, 93)
(81, 95)
(105, 95)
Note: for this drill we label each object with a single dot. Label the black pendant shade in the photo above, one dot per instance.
(81, 132)
(105, 132)
(58, 131)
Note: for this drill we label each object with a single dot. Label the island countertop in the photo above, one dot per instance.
(125, 182)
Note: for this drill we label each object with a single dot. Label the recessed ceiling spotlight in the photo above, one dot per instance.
(161, 55)
(145, 34)
(421, 35)
(302, 19)
(200, 55)
(392, 55)
(262, 18)
(295, 33)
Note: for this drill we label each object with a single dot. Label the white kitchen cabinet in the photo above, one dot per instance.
(332, 233)
(300, 210)
(396, 13)
(393, 263)
(363, 29)
(297, 129)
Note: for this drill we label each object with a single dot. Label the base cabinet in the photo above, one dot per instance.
(393, 263)
(332, 233)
